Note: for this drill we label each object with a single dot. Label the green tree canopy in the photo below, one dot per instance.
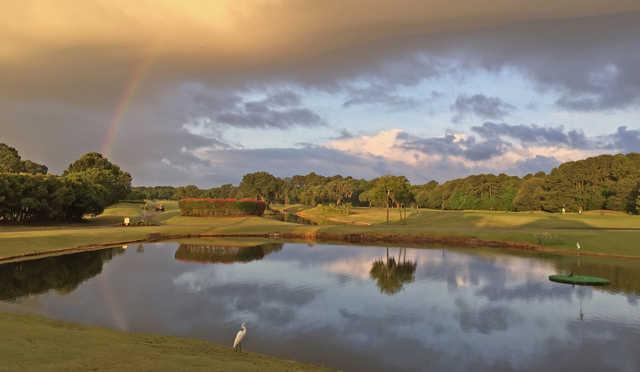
(261, 185)
(422, 193)
(397, 188)
(95, 168)
(11, 162)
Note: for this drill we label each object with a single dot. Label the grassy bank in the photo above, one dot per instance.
(34, 343)
(599, 233)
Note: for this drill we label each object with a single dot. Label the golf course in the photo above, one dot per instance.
(599, 234)
(604, 233)
(280, 185)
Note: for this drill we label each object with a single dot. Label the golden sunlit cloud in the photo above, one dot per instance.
(46, 44)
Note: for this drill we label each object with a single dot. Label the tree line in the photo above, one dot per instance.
(28, 194)
(610, 182)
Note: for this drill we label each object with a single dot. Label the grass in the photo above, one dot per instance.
(34, 343)
(598, 232)
(357, 216)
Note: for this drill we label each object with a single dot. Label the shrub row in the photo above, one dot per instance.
(221, 207)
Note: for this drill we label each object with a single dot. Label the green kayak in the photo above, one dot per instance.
(578, 279)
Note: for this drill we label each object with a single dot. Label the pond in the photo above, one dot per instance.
(354, 308)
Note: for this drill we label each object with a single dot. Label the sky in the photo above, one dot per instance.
(201, 92)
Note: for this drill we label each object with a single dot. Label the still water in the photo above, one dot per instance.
(351, 307)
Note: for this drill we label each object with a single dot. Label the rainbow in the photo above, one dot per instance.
(137, 75)
(113, 306)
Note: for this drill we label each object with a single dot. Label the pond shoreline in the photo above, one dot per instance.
(326, 237)
(113, 349)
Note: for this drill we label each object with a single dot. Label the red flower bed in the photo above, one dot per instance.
(202, 207)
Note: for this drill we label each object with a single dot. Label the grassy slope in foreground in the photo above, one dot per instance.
(34, 343)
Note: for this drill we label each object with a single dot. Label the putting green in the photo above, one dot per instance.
(578, 279)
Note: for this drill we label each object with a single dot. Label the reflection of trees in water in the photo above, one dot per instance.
(391, 273)
(224, 254)
(62, 273)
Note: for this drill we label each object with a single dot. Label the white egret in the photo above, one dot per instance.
(578, 246)
(237, 343)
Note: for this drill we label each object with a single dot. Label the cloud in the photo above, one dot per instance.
(481, 106)
(534, 134)
(484, 149)
(178, 76)
(113, 44)
(590, 63)
(495, 148)
(281, 110)
(626, 140)
(457, 145)
(344, 134)
(228, 166)
(535, 164)
(378, 94)
(381, 144)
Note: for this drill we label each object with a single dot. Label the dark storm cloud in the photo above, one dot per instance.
(484, 150)
(591, 62)
(281, 109)
(534, 134)
(481, 106)
(470, 148)
(623, 139)
(495, 139)
(586, 48)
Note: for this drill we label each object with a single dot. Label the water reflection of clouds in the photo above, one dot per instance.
(265, 304)
(464, 311)
(356, 267)
(487, 318)
(528, 291)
